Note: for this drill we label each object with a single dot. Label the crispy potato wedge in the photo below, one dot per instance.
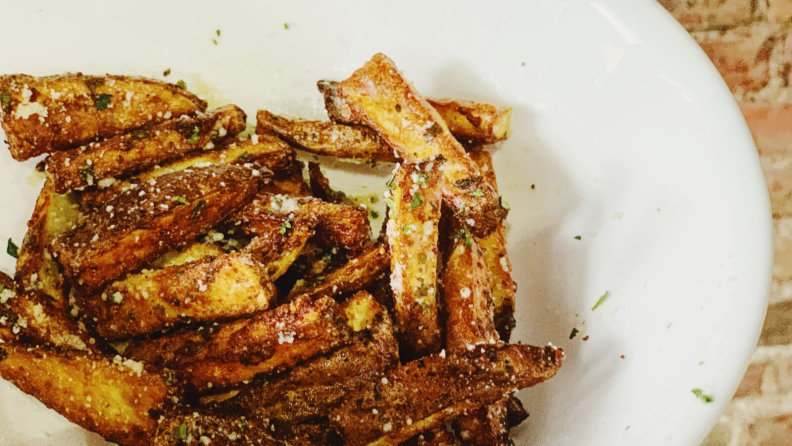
(485, 426)
(437, 437)
(387, 412)
(380, 98)
(140, 225)
(308, 390)
(36, 268)
(213, 288)
(229, 354)
(326, 138)
(516, 412)
(190, 252)
(292, 186)
(413, 218)
(116, 398)
(280, 247)
(125, 155)
(202, 427)
(54, 113)
(470, 122)
(502, 285)
(320, 186)
(357, 274)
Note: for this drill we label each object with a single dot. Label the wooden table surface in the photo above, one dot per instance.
(750, 42)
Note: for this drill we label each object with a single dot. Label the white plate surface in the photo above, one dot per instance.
(628, 134)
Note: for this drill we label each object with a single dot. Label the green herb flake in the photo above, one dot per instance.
(244, 156)
(374, 214)
(463, 234)
(321, 279)
(169, 379)
(167, 72)
(180, 433)
(416, 201)
(195, 137)
(102, 101)
(285, 227)
(577, 237)
(422, 179)
(373, 199)
(574, 333)
(702, 396)
(477, 193)
(285, 26)
(218, 33)
(12, 249)
(5, 98)
(523, 64)
(389, 183)
(408, 229)
(181, 200)
(142, 135)
(460, 212)
(181, 84)
(601, 300)
(504, 204)
(214, 41)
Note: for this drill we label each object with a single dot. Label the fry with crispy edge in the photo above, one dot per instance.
(358, 273)
(412, 230)
(118, 399)
(502, 285)
(470, 122)
(435, 437)
(125, 155)
(213, 288)
(140, 225)
(232, 353)
(54, 113)
(426, 393)
(377, 96)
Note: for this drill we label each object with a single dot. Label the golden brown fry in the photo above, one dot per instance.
(436, 437)
(380, 98)
(54, 113)
(357, 274)
(36, 268)
(125, 155)
(201, 427)
(412, 230)
(502, 285)
(485, 426)
(116, 398)
(326, 138)
(474, 122)
(278, 247)
(213, 288)
(426, 393)
(268, 342)
(140, 225)
(188, 253)
(292, 186)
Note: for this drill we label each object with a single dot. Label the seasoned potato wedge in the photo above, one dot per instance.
(502, 285)
(437, 437)
(36, 268)
(516, 412)
(202, 427)
(280, 247)
(213, 288)
(54, 113)
(125, 155)
(326, 138)
(485, 426)
(308, 390)
(142, 224)
(413, 218)
(116, 398)
(380, 98)
(320, 186)
(231, 353)
(292, 186)
(357, 274)
(188, 253)
(472, 123)
(387, 412)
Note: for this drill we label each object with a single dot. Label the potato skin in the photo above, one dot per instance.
(54, 113)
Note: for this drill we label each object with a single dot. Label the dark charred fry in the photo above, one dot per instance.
(516, 412)
(54, 113)
(278, 247)
(213, 288)
(125, 155)
(437, 437)
(380, 98)
(140, 225)
(320, 186)
(203, 427)
(116, 398)
(387, 412)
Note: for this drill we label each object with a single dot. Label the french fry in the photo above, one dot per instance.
(320, 186)
(140, 225)
(326, 138)
(412, 232)
(54, 113)
(426, 393)
(516, 412)
(502, 285)
(190, 252)
(292, 186)
(118, 399)
(125, 155)
(380, 98)
(279, 247)
(357, 274)
(213, 288)
(239, 351)
(437, 437)
(191, 426)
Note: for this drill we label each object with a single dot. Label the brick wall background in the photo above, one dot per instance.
(750, 42)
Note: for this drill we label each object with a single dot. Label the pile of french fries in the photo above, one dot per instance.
(181, 283)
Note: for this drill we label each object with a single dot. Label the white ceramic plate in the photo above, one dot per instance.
(628, 134)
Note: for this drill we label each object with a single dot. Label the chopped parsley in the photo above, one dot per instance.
(577, 237)
(197, 209)
(5, 98)
(12, 249)
(102, 101)
(460, 212)
(702, 396)
(166, 73)
(601, 300)
(422, 179)
(504, 204)
(181, 200)
(195, 137)
(142, 135)
(218, 33)
(574, 333)
(389, 183)
(321, 279)
(416, 201)
(244, 156)
(180, 433)
(374, 214)
(169, 379)
(463, 234)
(477, 193)
(285, 26)
(181, 84)
(214, 41)
(285, 227)
(523, 64)
(408, 229)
